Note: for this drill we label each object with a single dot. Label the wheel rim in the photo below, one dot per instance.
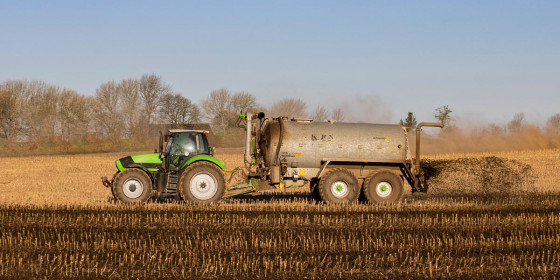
(383, 189)
(133, 188)
(203, 186)
(339, 189)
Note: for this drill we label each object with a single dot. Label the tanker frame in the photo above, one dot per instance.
(340, 161)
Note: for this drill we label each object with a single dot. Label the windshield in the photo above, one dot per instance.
(183, 143)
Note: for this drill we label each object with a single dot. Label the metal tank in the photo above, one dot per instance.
(305, 143)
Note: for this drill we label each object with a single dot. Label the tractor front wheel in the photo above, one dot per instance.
(202, 182)
(132, 186)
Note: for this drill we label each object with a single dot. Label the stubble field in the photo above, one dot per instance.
(486, 216)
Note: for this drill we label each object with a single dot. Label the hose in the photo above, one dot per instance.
(277, 158)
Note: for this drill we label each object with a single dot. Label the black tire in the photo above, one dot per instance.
(202, 182)
(383, 187)
(339, 186)
(132, 186)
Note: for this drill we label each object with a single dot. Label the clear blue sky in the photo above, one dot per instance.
(486, 59)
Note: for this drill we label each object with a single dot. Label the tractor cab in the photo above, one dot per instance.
(181, 145)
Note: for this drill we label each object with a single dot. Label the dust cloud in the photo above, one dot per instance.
(456, 140)
(367, 109)
(484, 175)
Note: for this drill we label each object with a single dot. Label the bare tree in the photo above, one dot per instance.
(243, 102)
(131, 105)
(74, 114)
(443, 115)
(10, 113)
(320, 113)
(107, 109)
(338, 114)
(41, 111)
(553, 124)
(195, 115)
(289, 107)
(515, 125)
(176, 109)
(217, 108)
(152, 89)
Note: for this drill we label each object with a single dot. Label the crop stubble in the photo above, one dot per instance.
(57, 222)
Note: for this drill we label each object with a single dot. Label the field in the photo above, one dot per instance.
(487, 216)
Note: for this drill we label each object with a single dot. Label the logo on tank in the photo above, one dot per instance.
(324, 138)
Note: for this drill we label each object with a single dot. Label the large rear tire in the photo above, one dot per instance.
(202, 182)
(383, 187)
(339, 186)
(132, 186)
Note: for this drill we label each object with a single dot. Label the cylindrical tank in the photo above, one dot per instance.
(306, 143)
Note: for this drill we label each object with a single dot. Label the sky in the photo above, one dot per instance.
(487, 60)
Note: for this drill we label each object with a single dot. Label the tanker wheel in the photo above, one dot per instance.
(383, 187)
(339, 186)
(202, 182)
(132, 186)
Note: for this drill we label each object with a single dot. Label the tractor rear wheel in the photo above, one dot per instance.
(339, 186)
(202, 182)
(132, 186)
(383, 187)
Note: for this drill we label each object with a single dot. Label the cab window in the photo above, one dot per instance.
(203, 144)
(184, 143)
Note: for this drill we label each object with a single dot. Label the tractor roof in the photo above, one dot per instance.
(179, 130)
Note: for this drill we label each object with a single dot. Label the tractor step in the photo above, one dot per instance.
(172, 182)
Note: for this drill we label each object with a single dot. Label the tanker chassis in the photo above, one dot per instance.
(339, 161)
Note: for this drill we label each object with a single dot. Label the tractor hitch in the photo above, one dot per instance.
(106, 182)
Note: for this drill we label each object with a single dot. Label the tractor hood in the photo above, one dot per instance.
(151, 162)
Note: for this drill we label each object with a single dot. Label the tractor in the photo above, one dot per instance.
(183, 165)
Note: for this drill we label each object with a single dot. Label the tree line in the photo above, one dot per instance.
(38, 111)
(35, 110)
(516, 125)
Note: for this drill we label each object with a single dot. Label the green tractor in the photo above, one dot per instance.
(183, 166)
